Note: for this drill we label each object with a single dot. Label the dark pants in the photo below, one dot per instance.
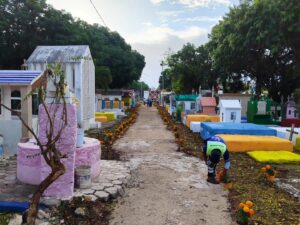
(211, 168)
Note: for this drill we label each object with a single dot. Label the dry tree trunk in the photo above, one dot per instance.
(57, 171)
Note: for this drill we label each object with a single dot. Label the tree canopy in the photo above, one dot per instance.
(24, 24)
(257, 40)
(138, 86)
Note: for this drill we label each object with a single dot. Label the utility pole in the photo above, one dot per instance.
(142, 92)
(162, 75)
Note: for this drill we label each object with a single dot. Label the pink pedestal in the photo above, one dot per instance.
(30, 163)
(89, 155)
(64, 185)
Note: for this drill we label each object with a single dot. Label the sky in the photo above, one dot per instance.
(155, 28)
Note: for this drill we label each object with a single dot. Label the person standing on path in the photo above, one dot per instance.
(213, 150)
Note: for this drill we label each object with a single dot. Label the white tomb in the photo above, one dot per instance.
(230, 111)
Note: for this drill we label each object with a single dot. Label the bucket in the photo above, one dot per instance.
(83, 177)
(80, 137)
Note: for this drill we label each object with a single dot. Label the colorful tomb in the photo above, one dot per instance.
(109, 115)
(285, 132)
(210, 129)
(230, 111)
(264, 111)
(275, 156)
(208, 105)
(245, 143)
(201, 118)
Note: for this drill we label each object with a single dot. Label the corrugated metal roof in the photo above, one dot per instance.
(230, 104)
(208, 101)
(18, 77)
(58, 54)
(186, 97)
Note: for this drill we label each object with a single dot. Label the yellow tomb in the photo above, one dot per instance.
(200, 118)
(246, 143)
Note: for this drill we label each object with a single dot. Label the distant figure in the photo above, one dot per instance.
(150, 103)
(213, 150)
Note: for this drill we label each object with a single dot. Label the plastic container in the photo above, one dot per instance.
(83, 177)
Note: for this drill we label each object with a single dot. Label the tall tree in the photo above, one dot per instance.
(189, 68)
(248, 43)
(27, 23)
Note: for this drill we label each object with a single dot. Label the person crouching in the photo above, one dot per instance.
(213, 150)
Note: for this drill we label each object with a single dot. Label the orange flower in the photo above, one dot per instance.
(249, 203)
(268, 167)
(264, 169)
(242, 205)
(246, 209)
(251, 212)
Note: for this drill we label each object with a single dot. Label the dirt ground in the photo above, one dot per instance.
(170, 188)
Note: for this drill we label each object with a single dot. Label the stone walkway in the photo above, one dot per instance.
(171, 188)
(111, 183)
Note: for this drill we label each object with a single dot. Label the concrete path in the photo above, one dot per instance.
(170, 187)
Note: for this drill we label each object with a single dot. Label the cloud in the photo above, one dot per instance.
(173, 13)
(204, 3)
(155, 52)
(156, 2)
(163, 33)
(196, 3)
(199, 19)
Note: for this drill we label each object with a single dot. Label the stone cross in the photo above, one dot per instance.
(292, 132)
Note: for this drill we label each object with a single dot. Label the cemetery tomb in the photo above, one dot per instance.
(230, 111)
(31, 166)
(245, 143)
(297, 144)
(284, 132)
(195, 127)
(101, 119)
(290, 122)
(208, 105)
(110, 115)
(210, 129)
(275, 156)
(201, 118)
(263, 111)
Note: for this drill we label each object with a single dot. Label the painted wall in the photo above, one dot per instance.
(291, 112)
(12, 133)
(209, 110)
(187, 105)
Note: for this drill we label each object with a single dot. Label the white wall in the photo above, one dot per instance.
(187, 106)
(11, 130)
(225, 115)
(5, 98)
(88, 90)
